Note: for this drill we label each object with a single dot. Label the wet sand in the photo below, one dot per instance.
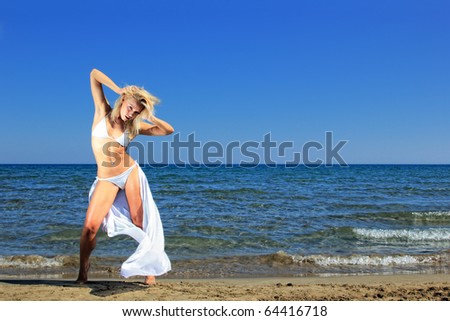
(412, 287)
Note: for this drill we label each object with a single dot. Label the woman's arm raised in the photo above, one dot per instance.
(98, 79)
(159, 127)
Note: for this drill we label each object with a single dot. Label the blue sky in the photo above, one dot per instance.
(375, 73)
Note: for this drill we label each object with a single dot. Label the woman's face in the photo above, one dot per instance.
(130, 109)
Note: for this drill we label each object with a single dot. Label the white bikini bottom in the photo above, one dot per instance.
(121, 179)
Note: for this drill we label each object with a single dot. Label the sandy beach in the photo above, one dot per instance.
(415, 287)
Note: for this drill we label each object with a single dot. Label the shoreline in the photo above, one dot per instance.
(398, 287)
(279, 264)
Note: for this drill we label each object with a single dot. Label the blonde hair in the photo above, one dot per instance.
(144, 99)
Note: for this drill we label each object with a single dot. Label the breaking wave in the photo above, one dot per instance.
(432, 234)
(369, 260)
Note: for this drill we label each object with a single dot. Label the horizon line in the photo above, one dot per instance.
(243, 165)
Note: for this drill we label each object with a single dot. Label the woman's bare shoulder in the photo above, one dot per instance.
(98, 116)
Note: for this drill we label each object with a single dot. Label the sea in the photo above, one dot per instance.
(232, 221)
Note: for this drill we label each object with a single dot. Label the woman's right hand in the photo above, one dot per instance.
(98, 79)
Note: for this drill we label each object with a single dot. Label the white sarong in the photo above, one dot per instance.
(149, 257)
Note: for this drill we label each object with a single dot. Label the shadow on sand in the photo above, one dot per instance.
(100, 288)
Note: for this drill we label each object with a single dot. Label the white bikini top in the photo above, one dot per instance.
(101, 131)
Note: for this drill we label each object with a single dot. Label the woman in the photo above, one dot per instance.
(120, 197)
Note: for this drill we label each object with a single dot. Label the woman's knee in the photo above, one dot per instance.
(137, 220)
(136, 210)
(99, 206)
(90, 230)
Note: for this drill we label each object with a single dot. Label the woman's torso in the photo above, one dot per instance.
(109, 150)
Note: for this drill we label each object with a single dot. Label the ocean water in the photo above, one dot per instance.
(222, 221)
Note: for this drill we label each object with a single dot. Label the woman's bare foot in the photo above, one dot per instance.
(83, 275)
(150, 280)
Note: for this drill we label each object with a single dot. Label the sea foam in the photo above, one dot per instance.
(431, 214)
(30, 261)
(432, 234)
(367, 260)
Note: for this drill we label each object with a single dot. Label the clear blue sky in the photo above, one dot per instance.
(376, 73)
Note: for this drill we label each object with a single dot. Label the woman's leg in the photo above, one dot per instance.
(101, 201)
(133, 194)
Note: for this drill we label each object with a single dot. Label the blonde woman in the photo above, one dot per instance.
(120, 197)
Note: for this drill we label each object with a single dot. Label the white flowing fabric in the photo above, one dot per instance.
(149, 257)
